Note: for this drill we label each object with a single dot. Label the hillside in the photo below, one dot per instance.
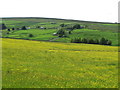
(92, 30)
(34, 21)
(37, 64)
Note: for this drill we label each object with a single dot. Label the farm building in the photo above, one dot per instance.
(42, 28)
(27, 27)
(54, 34)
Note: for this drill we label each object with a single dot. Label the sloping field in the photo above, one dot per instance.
(36, 64)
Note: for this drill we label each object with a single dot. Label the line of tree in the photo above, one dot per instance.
(3, 26)
(23, 28)
(11, 29)
(71, 26)
(102, 41)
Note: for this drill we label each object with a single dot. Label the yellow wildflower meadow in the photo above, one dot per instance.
(37, 64)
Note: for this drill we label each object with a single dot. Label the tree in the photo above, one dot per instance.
(8, 29)
(62, 25)
(96, 41)
(70, 28)
(109, 42)
(13, 28)
(38, 27)
(91, 41)
(103, 41)
(84, 40)
(3, 26)
(18, 29)
(7, 33)
(79, 40)
(72, 40)
(30, 35)
(86, 26)
(61, 33)
(24, 28)
(76, 26)
(69, 32)
(76, 40)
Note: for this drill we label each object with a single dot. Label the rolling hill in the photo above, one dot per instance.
(37, 58)
(92, 30)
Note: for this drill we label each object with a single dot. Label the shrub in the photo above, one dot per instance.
(17, 29)
(90, 41)
(13, 28)
(61, 33)
(38, 27)
(7, 33)
(109, 42)
(76, 26)
(96, 41)
(69, 32)
(76, 40)
(84, 40)
(103, 41)
(3, 26)
(72, 40)
(62, 25)
(24, 28)
(30, 35)
(8, 29)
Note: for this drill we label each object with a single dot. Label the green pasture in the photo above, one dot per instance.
(47, 34)
(92, 34)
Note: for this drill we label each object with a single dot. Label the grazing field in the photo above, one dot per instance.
(38, 34)
(92, 34)
(47, 22)
(91, 30)
(37, 64)
(47, 35)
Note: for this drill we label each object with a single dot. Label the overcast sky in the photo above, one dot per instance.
(88, 10)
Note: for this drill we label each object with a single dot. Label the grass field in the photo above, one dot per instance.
(37, 64)
(37, 34)
(32, 22)
(47, 35)
(93, 30)
(57, 63)
(91, 34)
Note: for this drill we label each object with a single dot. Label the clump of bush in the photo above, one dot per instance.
(13, 29)
(62, 25)
(3, 26)
(77, 26)
(61, 33)
(24, 28)
(30, 35)
(8, 29)
(102, 41)
(71, 26)
(65, 30)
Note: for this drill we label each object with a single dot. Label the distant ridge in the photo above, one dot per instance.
(57, 19)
